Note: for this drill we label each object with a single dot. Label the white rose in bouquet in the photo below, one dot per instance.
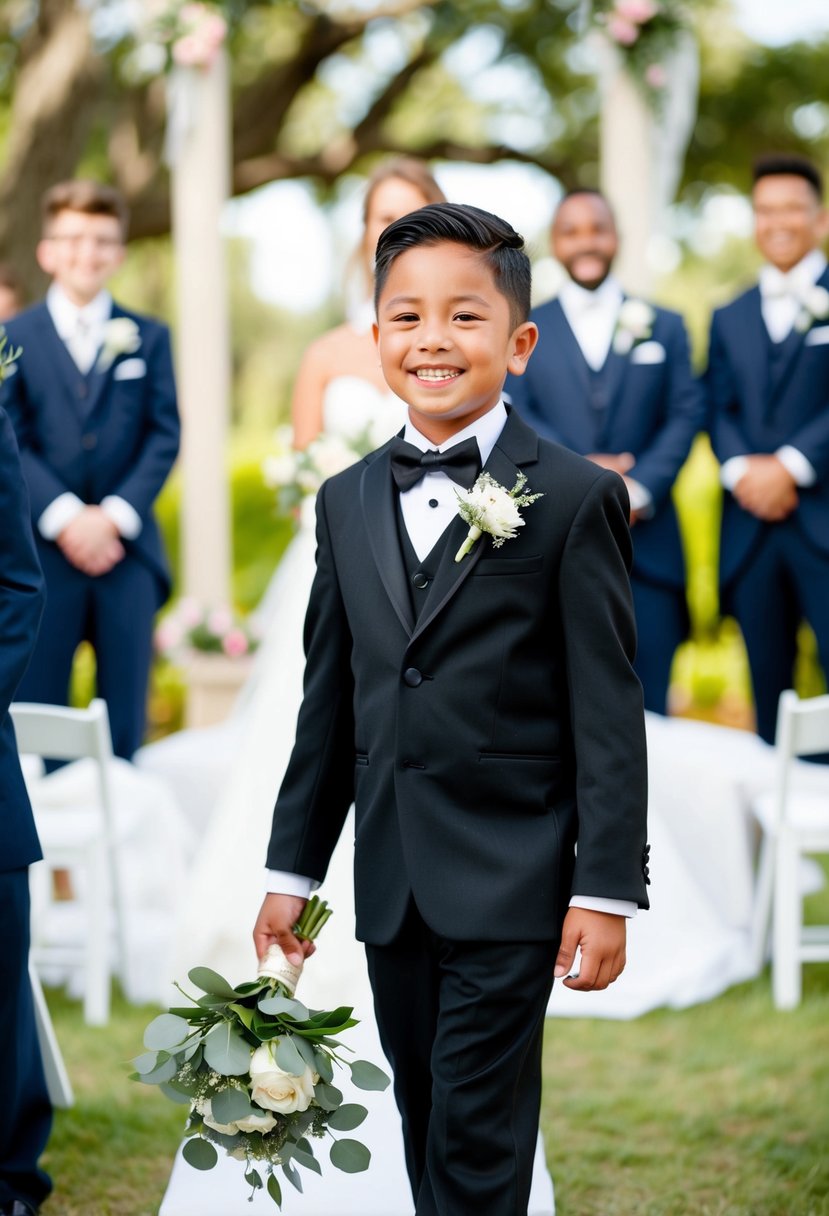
(257, 1123)
(205, 1108)
(273, 1089)
(330, 454)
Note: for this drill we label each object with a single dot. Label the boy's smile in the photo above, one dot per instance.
(445, 337)
(81, 252)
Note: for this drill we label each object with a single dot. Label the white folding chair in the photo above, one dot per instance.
(57, 1078)
(80, 839)
(794, 819)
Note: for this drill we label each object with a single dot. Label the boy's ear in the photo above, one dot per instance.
(375, 332)
(523, 342)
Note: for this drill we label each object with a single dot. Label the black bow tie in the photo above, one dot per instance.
(408, 464)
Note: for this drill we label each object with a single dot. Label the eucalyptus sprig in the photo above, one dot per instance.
(8, 354)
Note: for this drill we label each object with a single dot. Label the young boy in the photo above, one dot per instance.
(93, 403)
(480, 710)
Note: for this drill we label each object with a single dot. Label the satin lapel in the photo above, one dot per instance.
(517, 445)
(377, 500)
(753, 337)
(61, 360)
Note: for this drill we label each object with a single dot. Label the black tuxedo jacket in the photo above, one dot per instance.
(21, 603)
(759, 404)
(651, 409)
(483, 741)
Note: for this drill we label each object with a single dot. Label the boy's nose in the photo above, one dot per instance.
(435, 338)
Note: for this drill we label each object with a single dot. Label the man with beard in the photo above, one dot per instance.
(611, 379)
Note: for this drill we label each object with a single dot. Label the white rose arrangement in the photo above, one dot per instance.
(295, 475)
(256, 1068)
(814, 306)
(492, 508)
(633, 324)
(121, 337)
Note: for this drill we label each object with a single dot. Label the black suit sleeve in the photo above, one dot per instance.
(318, 787)
(605, 697)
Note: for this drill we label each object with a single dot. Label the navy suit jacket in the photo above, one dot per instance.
(754, 410)
(21, 603)
(98, 434)
(654, 410)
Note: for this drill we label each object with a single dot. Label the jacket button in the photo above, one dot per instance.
(420, 580)
(89, 442)
(412, 677)
(83, 389)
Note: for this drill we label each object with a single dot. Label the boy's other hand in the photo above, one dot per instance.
(617, 462)
(275, 924)
(91, 542)
(601, 937)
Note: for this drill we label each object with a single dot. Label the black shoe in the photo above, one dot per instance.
(18, 1207)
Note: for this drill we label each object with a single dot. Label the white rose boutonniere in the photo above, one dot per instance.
(492, 508)
(814, 306)
(121, 337)
(634, 324)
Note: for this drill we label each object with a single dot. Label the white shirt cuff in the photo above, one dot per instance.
(123, 515)
(60, 512)
(641, 498)
(733, 470)
(281, 882)
(795, 462)
(615, 907)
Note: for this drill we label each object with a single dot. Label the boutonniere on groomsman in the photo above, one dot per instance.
(611, 379)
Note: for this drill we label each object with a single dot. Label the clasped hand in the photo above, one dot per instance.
(91, 542)
(767, 489)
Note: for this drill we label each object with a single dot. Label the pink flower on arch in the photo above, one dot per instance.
(656, 76)
(637, 11)
(623, 32)
(235, 644)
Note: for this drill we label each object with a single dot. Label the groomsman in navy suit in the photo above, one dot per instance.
(25, 1112)
(768, 383)
(93, 402)
(611, 379)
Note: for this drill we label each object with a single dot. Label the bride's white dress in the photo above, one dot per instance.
(246, 759)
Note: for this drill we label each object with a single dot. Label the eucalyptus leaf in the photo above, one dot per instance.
(307, 1159)
(323, 1065)
(226, 1051)
(200, 1153)
(254, 1179)
(165, 1071)
(288, 1057)
(368, 1076)
(347, 1117)
(231, 1104)
(147, 1061)
(242, 1012)
(275, 1190)
(175, 1095)
(292, 1175)
(306, 1050)
(327, 1096)
(210, 981)
(350, 1156)
(166, 1032)
(286, 1006)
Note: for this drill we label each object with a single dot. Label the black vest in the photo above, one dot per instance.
(420, 573)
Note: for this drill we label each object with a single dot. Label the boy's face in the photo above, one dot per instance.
(789, 221)
(81, 252)
(445, 338)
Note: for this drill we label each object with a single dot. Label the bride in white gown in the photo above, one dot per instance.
(339, 391)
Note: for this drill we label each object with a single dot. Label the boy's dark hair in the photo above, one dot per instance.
(790, 165)
(90, 198)
(498, 242)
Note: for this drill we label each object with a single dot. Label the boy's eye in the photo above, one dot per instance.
(466, 316)
(405, 316)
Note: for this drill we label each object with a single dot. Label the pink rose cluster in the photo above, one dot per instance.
(204, 30)
(626, 18)
(189, 627)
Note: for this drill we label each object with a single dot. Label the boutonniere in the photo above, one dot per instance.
(814, 306)
(8, 356)
(634, 324)
(490, 507)
(121, 337)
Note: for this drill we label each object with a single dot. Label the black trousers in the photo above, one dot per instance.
(462, 1024)
(25, 1111)
(785, 580)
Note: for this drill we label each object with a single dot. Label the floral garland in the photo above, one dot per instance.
(644, 32)
(177, 33)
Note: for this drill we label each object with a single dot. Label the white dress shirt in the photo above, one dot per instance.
(82, 330)
(425, 523)
(592, 316)
(781, 299)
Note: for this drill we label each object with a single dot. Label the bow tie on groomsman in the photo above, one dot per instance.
(409, 465)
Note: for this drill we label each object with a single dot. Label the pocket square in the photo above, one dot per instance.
(130, 369)
(648, 352)
(819, 336)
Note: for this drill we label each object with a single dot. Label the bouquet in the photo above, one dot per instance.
(256, 1068)
(191, 627)
(296, 474)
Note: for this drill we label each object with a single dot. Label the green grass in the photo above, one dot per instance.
(718, 1110)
